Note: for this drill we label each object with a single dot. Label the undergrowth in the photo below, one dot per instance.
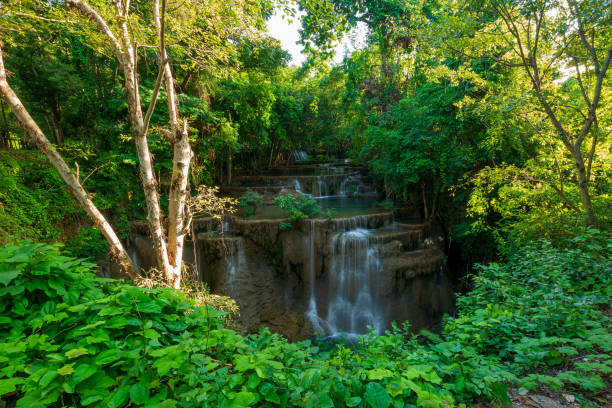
(69, 338)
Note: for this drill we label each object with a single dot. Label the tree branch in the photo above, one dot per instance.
(88, 11)
(151, 108)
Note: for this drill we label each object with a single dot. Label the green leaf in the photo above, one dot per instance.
(242, 399)
(353, 401)
(48, 377)
(66, 369)
(151, 334)
(107, 356)
(379, 374)
(148, 307)
(76, 352)
(377, 396)
(269, 393)
(10, 384)
(116, 322)
(163, 365)
(119, 397)
(83, 372)
(7, 276)
(91, 399)
(139, 393)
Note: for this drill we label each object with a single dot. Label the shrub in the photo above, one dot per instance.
(298, 207)
(250, 201)
(69, 338)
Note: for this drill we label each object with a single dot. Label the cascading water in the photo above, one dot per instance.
(297, 186)
(353, 294)
(354, 302)
(235, 263)
(354, 181)
(299, 156)
(347, 286)
(312, 312)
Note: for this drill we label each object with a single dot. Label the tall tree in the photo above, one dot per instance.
(550, 41)
(38, 138)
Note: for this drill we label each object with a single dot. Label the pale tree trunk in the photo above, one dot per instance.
(125, 51)
(169, 253)
(37, 137)
(177, 215)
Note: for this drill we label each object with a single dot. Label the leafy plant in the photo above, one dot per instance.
(297, 206)
(250, 200)
(68, 337)
(387, 204)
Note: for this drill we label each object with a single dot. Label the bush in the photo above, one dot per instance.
(69, 338)
(250, 200)
(297, 206)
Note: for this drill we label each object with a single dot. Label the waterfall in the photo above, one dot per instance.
(297, 186)
(313, 313)
(321, 190)
(354, 302)
(299, 156)
(355, 181)
(235, 263)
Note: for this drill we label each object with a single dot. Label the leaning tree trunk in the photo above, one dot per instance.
(37, 137)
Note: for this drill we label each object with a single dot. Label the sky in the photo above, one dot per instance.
(288, 35)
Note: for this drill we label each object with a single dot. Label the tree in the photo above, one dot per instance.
(551, 41)
(388, 24)
(180, 40)
(125, 48)
(38, 138)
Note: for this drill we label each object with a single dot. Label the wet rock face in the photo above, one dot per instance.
(323, 275)
(269, 272)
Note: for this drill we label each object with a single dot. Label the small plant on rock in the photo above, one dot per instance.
(250, 201)
(297, 207)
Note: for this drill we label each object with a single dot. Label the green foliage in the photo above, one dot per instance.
(250, 200)
(387, 204)
(88, 242)
(297, 206)
(34, 204)
(68, 337)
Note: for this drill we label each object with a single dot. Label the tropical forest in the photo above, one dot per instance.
(306, 203)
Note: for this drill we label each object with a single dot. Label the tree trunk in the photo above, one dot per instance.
(145, 161)
(583, 185)
(181, 159)
(38, 138)
(229, 167)
(55, 118)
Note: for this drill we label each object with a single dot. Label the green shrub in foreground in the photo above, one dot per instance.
(69, 338)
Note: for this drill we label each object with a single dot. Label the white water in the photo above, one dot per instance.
(355, 181)
(236, 262)
(312, 313)
(354, 301)
(299, 156)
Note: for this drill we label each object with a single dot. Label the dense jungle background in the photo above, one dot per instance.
(491, 119)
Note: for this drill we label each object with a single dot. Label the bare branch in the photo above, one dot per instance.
(151, 108)
(93, 15)
(50, 20)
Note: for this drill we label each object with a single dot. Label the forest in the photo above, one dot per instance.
(190, 219)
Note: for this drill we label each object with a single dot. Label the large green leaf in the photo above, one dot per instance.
(377, 396)
(7, 277)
